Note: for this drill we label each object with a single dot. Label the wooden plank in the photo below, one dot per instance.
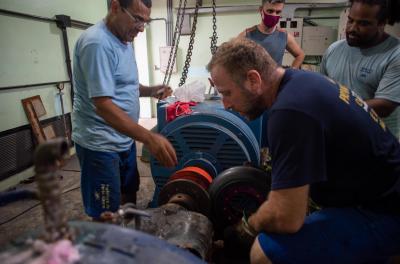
(49, 132)
(37, 105)
(34, 121)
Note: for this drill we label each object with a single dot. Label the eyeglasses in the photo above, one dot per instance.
(276, 1)
(137, 19)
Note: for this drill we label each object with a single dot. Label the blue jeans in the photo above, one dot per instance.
(105, 176)
(337, 235)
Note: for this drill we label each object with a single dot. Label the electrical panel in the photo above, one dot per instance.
(317, 39)
(293, 26)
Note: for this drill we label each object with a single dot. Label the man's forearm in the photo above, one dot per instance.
(145, 91)
(298, 61)
(269, 220)
(382, 107)
(283, 212)
(120, 121)
(264, 220)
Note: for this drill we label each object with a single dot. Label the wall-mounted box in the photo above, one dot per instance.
(317, 39)
(293, 26)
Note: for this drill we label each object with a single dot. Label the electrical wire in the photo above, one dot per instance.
(33, 206)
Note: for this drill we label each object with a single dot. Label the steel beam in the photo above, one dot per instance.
(288, 11)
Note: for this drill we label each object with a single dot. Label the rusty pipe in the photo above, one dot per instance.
(48, 158)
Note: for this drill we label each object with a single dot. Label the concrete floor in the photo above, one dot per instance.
(22, 216)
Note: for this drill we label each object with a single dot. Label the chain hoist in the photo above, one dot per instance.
(214, 37)
(175, 42)
(176, 39)
(191, 43)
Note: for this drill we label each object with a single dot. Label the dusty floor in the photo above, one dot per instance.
(23, 216)
(20, 217)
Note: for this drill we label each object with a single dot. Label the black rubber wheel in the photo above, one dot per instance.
(236, 190)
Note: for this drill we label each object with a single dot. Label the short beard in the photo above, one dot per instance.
(254, 108)
(255, 113)
(362, 42)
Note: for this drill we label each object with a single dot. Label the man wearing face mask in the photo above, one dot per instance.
(368, 61)
(106, 109)
(272, 38)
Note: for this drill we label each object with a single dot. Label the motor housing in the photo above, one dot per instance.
(211, 138)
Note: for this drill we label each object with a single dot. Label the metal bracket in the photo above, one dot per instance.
(186, 26)
(63, 21)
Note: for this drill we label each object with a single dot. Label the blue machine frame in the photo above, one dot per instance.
(211, 138)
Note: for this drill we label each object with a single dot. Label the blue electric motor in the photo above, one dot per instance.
(211, 138)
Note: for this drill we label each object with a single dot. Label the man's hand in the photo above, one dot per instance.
(158, 145)
(162, 150)
(161, 91)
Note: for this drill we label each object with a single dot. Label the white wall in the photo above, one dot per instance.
(394, 30)
(32, 52)
(142, 60)
(229, 25)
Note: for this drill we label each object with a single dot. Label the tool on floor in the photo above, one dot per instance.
(60, 88)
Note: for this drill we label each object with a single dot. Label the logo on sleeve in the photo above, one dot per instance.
(348, 96)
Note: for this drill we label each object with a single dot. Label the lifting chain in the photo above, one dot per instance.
(175, 42)
(191, 42)
(214, 37)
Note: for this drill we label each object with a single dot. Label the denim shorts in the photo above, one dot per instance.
(337, 235)
(104, 176)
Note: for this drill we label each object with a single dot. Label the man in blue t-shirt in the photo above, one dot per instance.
(368, 60)
(326, 144)
(106, 109)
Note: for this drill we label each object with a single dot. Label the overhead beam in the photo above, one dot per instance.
(288, 11)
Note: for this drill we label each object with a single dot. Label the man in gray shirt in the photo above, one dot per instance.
(368, 61)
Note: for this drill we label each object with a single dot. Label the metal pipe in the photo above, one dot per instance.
(48, 158)
(170, 18)
(74, 23)
(80, 24)
(319, 17)
(288, 11)
(31, 85)
(23, 15)
(60, 87)
(310, 22)
(68, 60)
